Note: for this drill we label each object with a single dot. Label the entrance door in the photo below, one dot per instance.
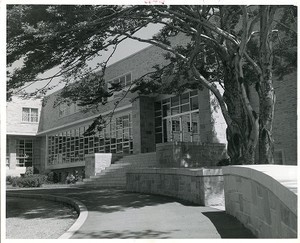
(182, 128)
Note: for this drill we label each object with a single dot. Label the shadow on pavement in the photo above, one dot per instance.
(126, 234)
(117, 200)
(228, 226)
(34, 208)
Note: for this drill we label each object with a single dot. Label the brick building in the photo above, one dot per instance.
(52, 138)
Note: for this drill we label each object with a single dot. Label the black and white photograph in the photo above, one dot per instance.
(149, 120)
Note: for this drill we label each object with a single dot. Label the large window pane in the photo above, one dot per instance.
(175, 101)
(25, 114)
(194, 103)
(184, 98)
(166, 110)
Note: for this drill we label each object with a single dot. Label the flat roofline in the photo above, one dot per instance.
(83, 120)
(21, 134)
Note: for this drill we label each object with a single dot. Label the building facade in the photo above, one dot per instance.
(52, 138)
(22, 143)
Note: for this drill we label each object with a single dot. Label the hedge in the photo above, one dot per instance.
(29, 181)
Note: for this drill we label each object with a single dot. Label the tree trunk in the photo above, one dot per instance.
(240, 148)
(266, 91)
(266, 141)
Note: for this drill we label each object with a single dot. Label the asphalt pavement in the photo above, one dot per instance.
(117, 214)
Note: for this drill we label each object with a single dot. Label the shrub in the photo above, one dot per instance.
(52, 177)
(9, 180)
(29, 171)
(223, 162)
(29, 181)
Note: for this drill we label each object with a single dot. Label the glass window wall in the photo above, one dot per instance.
(71, 146)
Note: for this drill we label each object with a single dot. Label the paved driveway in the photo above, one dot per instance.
(116, 214)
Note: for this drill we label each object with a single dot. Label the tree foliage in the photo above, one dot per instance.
(231, 45)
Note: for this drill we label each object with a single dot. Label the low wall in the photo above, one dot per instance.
(201, 186)
(18, 171)
(263, 198)
(95, 163)
(189, 154)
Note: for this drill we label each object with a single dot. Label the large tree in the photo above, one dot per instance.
(231, 45)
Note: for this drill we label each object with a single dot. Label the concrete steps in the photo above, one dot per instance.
(115, 175)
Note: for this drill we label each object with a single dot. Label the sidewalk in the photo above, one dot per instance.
(116, 214)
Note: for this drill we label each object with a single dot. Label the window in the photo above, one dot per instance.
(71, 146)
(177, 117)
(24, 152)
(124, 80)
(194, 127)
(30, 115)
(175, 126)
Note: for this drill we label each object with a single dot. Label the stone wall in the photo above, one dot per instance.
(263, 198)
(18, 171)
(188, 154)
(201, 186)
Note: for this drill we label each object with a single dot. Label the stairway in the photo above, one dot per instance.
(115, 175)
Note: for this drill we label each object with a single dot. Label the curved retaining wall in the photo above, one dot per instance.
(201, 186)
(77, 205)
(263, 198)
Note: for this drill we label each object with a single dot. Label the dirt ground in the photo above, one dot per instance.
(37, 219)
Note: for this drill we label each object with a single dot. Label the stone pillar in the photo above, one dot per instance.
(12, 151)
(204, 116)
(95, 163)
(143, 129)
(218, 124)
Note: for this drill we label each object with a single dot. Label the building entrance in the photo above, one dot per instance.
(177, 119)
(182, 128)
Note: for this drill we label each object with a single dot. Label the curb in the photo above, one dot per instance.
(80, 208)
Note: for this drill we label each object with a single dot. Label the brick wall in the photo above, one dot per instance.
(138, 64)
(285, 120)
(50, 116)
